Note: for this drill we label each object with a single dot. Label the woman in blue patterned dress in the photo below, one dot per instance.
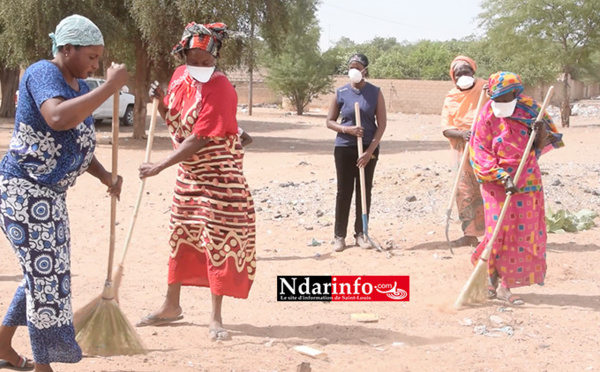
(52, 144)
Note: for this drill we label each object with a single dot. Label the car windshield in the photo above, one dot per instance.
(93, 84)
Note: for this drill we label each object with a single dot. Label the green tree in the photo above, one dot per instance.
(24, 29)
(140, 33)
(9, 79)
(541, 36)
(300, 73)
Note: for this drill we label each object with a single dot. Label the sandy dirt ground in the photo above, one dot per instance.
(291, 173)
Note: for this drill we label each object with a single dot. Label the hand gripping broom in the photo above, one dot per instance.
(463, 159)
(100, 327)
(119, 272)
(363, 189)
(474, 288)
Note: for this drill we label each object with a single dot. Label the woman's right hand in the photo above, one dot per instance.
(355, 130)
(509, 186)
(149, 170)
(156, 91)
(117, 74)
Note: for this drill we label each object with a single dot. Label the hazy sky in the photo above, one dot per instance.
(362, 20)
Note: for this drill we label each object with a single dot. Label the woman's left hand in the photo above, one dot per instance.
(364, 159)
(113, 190)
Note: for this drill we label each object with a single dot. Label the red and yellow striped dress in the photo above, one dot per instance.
(213, 230)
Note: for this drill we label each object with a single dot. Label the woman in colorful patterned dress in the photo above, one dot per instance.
(518, 256)
(52, 144)
(212, 226)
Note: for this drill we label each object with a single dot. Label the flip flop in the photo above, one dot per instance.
(154, 321)
(22, 365)
(513, 299)
(219, 334)
(491, 292)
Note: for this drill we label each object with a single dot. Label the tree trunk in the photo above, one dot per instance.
(142, 85)
(299, 107)
(251, 67)
(9, 81)
(565, 104)
(250, 75)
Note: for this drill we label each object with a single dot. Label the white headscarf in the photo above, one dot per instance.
(75, 30)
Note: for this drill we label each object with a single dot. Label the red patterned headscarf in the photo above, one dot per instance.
(208, 37)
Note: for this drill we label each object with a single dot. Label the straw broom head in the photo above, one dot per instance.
(102, 329)
(475, 289)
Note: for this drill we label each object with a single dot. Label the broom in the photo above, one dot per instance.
(119, 272)
(458, 174)
(363, 189)
(474, 288)
(100, 327)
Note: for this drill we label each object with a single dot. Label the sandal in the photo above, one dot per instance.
(492, 284)
(491, 292)
(512, 299)
(23, 364)
(219, 334)
(154, 321)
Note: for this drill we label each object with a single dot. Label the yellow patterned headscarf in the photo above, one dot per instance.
(503, 82)
(527, 108)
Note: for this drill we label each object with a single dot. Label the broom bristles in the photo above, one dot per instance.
(105, 331)
(474, 290)
(80, 315)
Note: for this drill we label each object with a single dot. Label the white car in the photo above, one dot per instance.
(105, 111)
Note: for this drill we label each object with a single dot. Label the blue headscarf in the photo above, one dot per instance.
(75, 30)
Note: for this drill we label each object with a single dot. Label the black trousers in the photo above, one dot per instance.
(347, 178)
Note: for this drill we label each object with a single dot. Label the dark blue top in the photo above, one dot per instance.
(37, 152)
(367, 100)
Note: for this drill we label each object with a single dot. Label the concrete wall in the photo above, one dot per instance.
(409, 96)
(406, 96)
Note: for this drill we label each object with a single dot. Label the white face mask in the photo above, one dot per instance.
(202, 74)
(355, 75)
(465, 82)
(504, 109)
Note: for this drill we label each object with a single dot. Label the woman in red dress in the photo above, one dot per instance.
(212, 238)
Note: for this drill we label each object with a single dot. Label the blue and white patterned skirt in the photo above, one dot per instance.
(36, 222)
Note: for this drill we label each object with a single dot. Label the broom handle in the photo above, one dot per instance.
(464, 155)
(143, 181)
(114, 177)
(488, 248)
(361, 170)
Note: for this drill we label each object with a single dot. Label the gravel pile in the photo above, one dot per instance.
(417, 194)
